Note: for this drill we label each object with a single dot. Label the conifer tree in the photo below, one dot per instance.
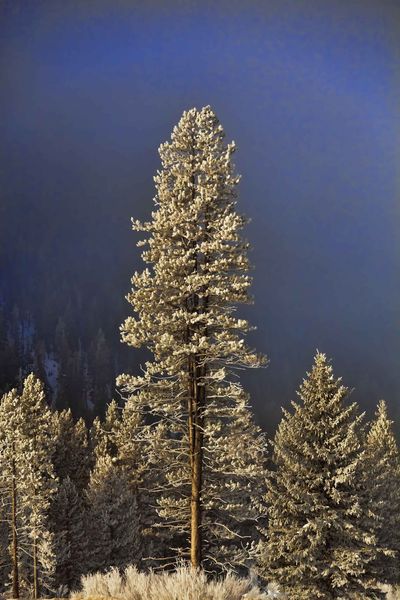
(382, 472)
(123, 443)
(104, 432)
(72, 462)
(11, 481)
(70, 538)
(27, 485)
(185, 304)
(114, 525)
(114, 517)
(137, 447)
(234, 486)
(39, 482)
(320, 542)
(72, 456)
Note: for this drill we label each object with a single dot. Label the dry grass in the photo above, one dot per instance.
(183, 584)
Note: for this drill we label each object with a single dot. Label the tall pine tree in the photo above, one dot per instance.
(186, 315)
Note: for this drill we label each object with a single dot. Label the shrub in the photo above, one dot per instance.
(183, 584)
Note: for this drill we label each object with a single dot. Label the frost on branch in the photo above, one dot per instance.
(209, 452)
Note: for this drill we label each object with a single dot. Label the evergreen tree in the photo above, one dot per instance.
(27, 485)
(112, 495)
(185, 305)
(105, 431)
(11, 482)
(70, 546)
(320, 542)
(135, 449)
(123, 444)
(382, 472)
(72, 455)
(114, 525)
(72, 462)
(234, 485)
(39, 482)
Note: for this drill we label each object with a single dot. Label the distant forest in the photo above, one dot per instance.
(79, 373)
(52, 320)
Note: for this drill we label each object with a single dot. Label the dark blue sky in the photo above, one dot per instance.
(310, 93)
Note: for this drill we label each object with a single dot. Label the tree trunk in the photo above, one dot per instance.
(197, 401)
(35, 571)
(14, 551)
(196, 461)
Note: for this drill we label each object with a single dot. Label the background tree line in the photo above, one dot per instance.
(76, 500)
(78, 372)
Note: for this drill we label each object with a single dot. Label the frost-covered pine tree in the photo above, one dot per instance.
(72, 455)
(234, 485)
(27, 485)
(104, 432)
(382, 472)
(112, 496)
(68, 521)
(131, 446)
(11, 481)
(114, 524)
(185, 305)
(39, 482)
(72, 462)
(320, 543)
